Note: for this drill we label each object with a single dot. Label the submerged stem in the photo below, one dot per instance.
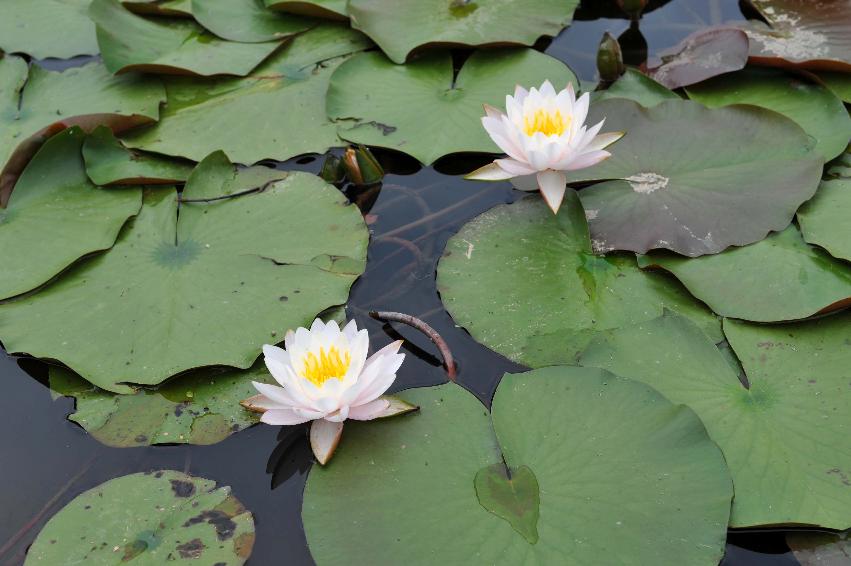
(422, 326)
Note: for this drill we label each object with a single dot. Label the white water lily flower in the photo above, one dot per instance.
(324, 376)
(544, 135)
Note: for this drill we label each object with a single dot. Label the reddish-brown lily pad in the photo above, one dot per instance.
(702, 55)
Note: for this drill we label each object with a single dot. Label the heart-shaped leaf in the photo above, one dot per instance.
(515, 498)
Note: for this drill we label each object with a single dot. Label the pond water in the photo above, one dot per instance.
(47, 460)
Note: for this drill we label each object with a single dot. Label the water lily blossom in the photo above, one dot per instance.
(544, 134)
(324, 376)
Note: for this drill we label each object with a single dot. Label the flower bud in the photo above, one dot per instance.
(633, 8)
(609, 59)
(361, 166)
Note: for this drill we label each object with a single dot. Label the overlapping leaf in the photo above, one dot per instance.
(207, 288)
(637, 86)
(824, 219)
(547, 294)
(247, 20)
(589, 453)
(702, 55)
(47, 28)
(172, 8)
(148, 518)
(422, 109)
(329, 9)
(110, 163)
(784, 437)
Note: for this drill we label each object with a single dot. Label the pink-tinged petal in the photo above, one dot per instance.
(514, 167)
(520, 93)
(553, 185)
(369, 411)
(587, 160)
(324, 438)
(603, 141)
(382, 376)
(351, 330)
(391, 348)
(490, 172)
(571, 92)
(277, 369)
(547, 89)
(275, 394)
(395, 406)
(289, 339)
(514, 109)
(492, 111)
(260, 404)
(538, 157)
(285, 376)
(588, 136)
(283, 417)
(339, 415)
(497, 130)
(580, 110)
(308, 414)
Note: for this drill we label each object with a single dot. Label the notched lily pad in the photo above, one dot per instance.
(47, 28)
(214, 284)
(56, 216)
(695, 180)
(572, 437)
(824, 219)
(400, 27)
(108, 162)
(702, 55)
(422, 109)
(151, 518)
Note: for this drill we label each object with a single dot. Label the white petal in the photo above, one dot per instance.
(317, 326)
(520, 94)
(351, 330)
(580, 111)
(493, 112)
(552, 185)
(275, 353)
(539, 159)
(277, 368)
(571, 93)
(339, 415)
(260, 404)
(496, 129)
(324, 438)
(603, 141)
(490, 172)
(587, 160)
(514, 167)
(395, 406)
(383, 375)
(282, 417)
(290, 382)
(369, 411)
(275, 394)
(547, 89)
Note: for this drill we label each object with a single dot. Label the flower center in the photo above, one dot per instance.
(549, 124)
(325, 366)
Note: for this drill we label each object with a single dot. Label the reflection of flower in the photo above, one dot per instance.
(325, 377)
(544, 134)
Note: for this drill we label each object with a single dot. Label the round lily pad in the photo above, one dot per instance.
(247, 20)
(330, 9)
(422, 108)
(110, 163)
(798, 375)
(696, 180)
(47, 28)
(214, 283)
(56, 216)
(129, 42)
(776, 279)
(198, 408)
(290, 87)
(824, 219)
(839, 83)
(814, 107)
(579, 455)
(400, 27)
(41, 103)
(547, 294)
(148, 518)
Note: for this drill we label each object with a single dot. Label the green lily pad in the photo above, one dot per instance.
(609, 456)
(290, 88)
(824, 219)
(802, 34)
(839, 83)
(820, 549)
(329, 9)
(547, 294)
(513, 495)
(47, 28)
(779, 278)
(422, 109)
(214, 284)
(798, 375)
(173, 8)
(247, 20)
(198, 408)
(56, 216)
(148, 518)
(637, 86)
(400, 27)
(36, 104)
(110, 163)
(696, 180)
(813, 107)
(129, 42)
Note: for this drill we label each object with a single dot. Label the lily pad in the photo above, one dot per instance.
(820, 549)
(47, 28)
(547, 294)
(148, 518)
(607, 455)
(696, 180)
(400, 27)
(129, 42)
(247, 20)
(214, 284)
(173, 8)
(36, 104)
(824, 219)
(839, 83)
(198, 408)
(779, 278)
(798, 375)
(423, 109)
(290, 88)
(802, 34)
(110, 163)
(637, 86)
(56, 216)
(702, 55)
(329, 9)
(813, 107)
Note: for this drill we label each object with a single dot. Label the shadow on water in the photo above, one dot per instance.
(48, 460)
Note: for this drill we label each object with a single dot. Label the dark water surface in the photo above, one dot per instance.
(45, 460)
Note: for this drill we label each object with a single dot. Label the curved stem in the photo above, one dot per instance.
(422, 326)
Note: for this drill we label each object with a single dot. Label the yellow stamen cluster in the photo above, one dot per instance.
(549, 124)
(325, 366)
